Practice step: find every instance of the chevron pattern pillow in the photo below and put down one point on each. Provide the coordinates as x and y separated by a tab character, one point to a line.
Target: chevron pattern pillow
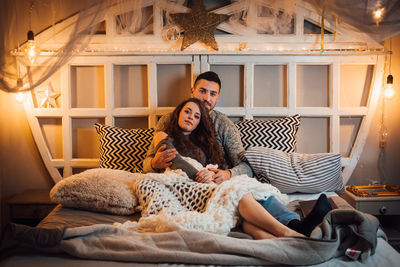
123	149
277	134
295	172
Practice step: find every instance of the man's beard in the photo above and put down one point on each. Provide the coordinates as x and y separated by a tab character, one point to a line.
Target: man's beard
208	106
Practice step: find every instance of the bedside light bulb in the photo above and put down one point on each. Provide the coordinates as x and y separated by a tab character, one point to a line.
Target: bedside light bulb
389	91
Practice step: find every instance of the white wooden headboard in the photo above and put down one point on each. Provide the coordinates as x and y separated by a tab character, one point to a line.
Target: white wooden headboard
119	83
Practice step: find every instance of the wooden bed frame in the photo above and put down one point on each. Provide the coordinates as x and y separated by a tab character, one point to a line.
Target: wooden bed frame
124	81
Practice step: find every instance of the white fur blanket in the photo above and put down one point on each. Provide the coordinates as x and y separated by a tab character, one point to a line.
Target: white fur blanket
221	210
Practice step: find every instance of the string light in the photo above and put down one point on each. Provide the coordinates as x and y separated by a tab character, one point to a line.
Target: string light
378	13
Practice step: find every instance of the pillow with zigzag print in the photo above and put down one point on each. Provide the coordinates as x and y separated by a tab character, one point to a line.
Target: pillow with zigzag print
123	149
278	134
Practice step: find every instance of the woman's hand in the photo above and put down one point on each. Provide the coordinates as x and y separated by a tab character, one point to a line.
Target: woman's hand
205	176
220	176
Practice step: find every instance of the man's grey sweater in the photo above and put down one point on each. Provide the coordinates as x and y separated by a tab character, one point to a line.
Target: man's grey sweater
227	136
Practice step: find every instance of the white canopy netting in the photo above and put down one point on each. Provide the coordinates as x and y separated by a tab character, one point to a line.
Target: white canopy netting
135	18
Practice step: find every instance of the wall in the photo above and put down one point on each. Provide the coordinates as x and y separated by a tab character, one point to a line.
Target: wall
367	169
21	167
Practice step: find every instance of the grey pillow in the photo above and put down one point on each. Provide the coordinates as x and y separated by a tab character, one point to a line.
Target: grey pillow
295	172
103	190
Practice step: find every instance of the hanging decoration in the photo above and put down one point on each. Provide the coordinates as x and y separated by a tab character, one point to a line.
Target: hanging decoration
31	50
48	97
388	93
378	13
199	25
171	33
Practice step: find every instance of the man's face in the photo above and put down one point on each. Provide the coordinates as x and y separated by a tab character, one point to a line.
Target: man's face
206	91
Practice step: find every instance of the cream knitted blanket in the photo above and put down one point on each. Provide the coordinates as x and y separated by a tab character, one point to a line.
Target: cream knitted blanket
221	211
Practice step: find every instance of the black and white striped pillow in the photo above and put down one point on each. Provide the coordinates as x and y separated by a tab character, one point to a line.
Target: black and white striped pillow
295	172
123	149
278	134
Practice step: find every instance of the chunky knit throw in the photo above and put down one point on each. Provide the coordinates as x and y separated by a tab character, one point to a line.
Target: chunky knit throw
219	215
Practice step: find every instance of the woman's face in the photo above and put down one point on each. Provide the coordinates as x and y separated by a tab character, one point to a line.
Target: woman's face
189	117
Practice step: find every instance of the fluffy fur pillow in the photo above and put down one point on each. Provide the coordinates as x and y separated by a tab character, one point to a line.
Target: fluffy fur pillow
102	190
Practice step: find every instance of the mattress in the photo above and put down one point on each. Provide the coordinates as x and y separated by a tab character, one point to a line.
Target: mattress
69	217
62	217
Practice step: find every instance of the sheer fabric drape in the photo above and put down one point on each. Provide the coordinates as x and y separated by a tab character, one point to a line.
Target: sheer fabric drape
15	72
136	18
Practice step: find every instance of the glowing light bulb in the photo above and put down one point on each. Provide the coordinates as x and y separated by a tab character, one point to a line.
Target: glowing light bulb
378	13
389	91
32	50
20	97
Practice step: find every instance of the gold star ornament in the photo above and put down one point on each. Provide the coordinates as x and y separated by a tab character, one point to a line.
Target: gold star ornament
199	25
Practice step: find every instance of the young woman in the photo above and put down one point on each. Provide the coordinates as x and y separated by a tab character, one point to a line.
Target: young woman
191	133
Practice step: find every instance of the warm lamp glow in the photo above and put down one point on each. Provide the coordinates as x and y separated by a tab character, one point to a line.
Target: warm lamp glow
32	50
389	91
20	97
378	13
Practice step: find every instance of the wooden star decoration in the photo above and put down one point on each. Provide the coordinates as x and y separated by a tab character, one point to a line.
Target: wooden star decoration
199	25
48	97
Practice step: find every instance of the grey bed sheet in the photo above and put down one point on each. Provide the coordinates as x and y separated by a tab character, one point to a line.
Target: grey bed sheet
70	217
62	217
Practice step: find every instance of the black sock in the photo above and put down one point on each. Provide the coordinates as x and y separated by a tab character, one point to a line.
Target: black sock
305	227
295	225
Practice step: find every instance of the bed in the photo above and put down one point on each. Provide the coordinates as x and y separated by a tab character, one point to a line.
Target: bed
164	252
97	221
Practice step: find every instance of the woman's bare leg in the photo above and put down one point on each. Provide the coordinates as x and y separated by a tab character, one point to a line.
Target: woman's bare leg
256	232
255	214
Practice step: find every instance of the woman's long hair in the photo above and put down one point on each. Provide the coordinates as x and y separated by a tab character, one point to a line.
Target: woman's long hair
203	137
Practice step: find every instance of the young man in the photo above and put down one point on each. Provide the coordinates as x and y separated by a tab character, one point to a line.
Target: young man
207	89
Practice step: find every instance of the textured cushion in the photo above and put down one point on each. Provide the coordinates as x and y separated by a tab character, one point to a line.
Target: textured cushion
278	134
103	190
295	172
123	149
